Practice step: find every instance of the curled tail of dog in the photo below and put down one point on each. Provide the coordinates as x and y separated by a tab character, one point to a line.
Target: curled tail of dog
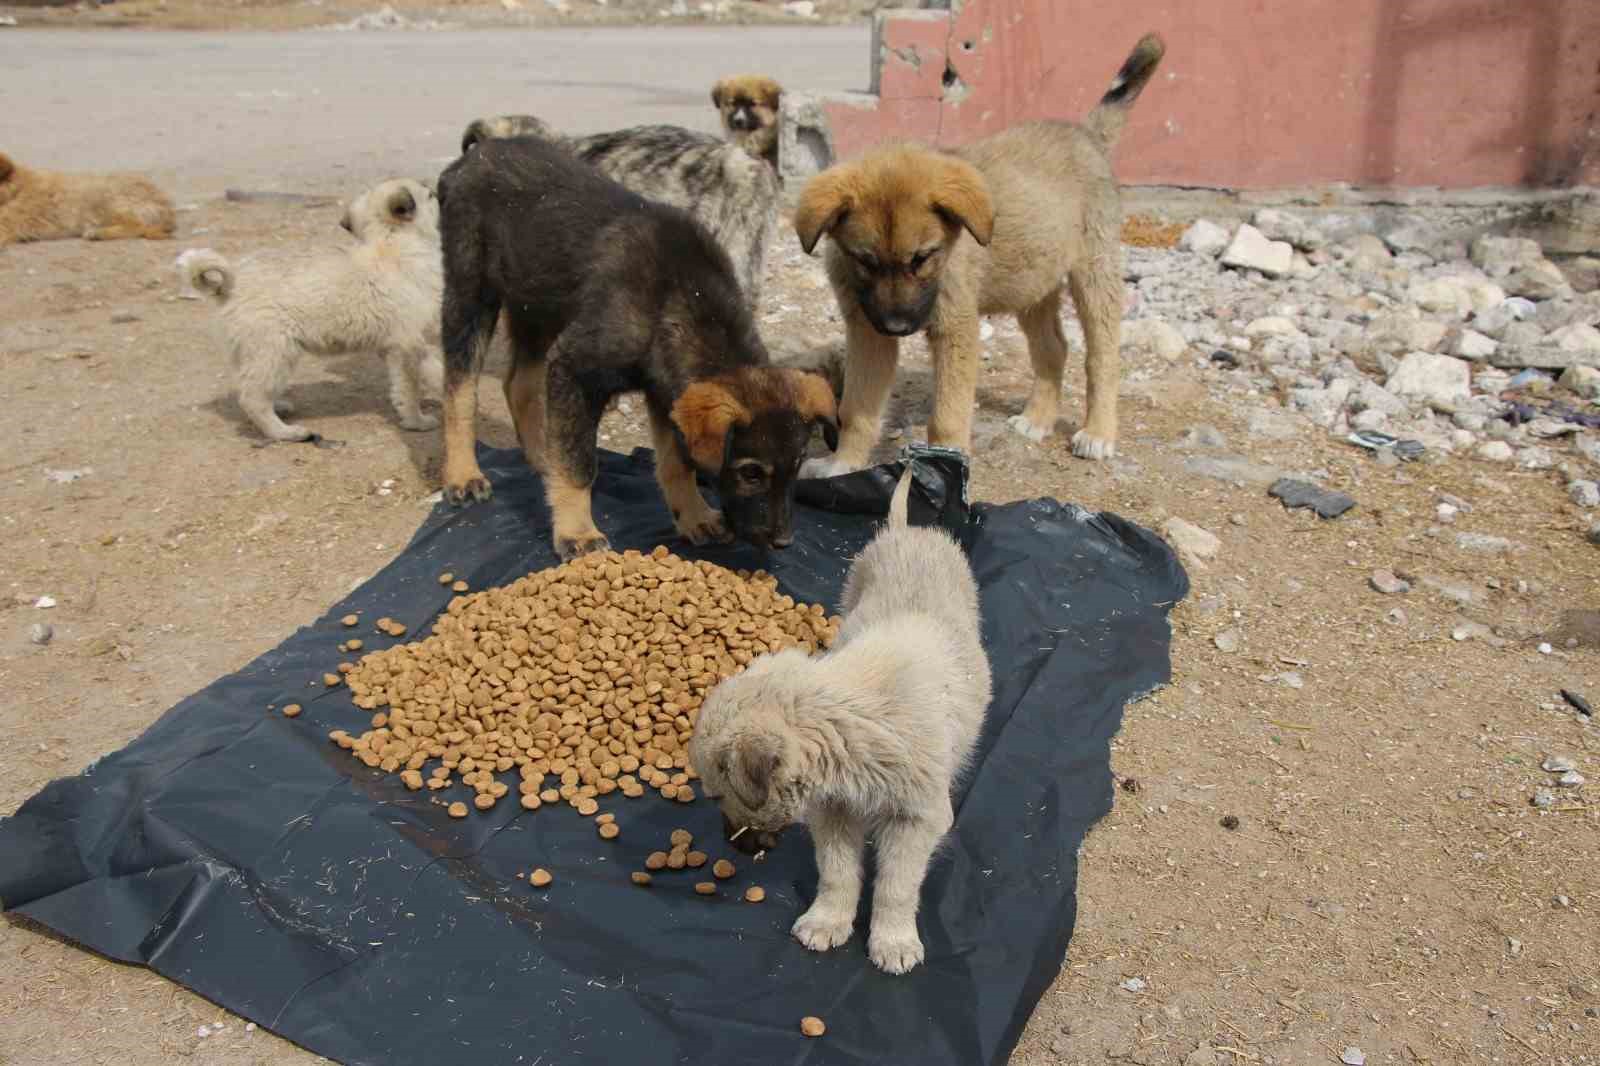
899	503
206	271
1105	121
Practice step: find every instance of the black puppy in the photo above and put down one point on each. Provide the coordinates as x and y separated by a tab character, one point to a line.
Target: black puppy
605	292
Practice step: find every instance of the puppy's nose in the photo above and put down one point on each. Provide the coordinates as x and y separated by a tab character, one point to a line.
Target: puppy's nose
896	325
741	120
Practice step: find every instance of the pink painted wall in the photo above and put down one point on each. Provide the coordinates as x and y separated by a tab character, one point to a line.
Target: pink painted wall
1264	93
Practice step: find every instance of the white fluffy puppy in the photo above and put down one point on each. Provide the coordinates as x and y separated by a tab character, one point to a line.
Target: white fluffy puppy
868	737
380	295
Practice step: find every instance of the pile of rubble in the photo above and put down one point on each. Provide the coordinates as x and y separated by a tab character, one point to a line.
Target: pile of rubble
1486	349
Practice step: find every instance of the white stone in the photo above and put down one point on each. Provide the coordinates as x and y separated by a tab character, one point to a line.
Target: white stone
1499	256
1370	396
1583	273
1440	295
1578	337
1192	543
800	8
1250	250
1471	345
1495	451
1204	237
1584	493
1541	280
1583	380
1435	379
1154	335
1278	225
1272	326
1405	333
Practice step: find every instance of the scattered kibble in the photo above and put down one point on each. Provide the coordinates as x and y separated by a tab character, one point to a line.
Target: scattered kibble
681	837
458	810
706	888
483	801
350	620
540	877
446	577
460	586
331	680
656	860
641	878
755	894
695	859
609	830
812	1026
722	869
291	710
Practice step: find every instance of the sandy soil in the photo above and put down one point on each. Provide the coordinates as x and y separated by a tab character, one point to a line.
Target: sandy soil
1388	885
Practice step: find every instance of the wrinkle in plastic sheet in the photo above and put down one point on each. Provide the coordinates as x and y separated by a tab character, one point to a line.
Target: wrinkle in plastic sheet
329	904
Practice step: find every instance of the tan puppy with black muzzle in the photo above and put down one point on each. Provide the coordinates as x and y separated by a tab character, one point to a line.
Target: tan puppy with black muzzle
748	106
870	737
929	240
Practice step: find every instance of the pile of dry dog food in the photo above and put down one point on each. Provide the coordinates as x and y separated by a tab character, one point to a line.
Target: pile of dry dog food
586	678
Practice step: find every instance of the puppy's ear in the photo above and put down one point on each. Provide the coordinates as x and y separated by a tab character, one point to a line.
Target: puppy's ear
814	401
344	222
7	167
402	205
716	94
705	414
472	136
962	197
754	770
824	203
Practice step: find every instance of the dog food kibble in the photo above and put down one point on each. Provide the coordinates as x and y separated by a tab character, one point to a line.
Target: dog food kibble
722	869
460	586
353	644
681	838
586	678
331	679
755	894
695	859
609	830
291	710
706	888
458	810
350	620
531	802
540	878
446	577
812	1026
656	860
641	878
483	801
602	819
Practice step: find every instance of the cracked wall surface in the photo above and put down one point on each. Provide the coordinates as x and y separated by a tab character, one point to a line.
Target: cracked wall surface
1448	93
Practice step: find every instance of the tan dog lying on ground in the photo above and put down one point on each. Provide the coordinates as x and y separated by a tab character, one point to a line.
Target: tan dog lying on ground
931	240
748	104
42	205
381	295
870	737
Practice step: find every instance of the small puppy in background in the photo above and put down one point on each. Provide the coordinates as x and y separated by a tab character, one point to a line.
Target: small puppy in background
604	292
871	736
43	205
748	105
923	239
380	295
732	193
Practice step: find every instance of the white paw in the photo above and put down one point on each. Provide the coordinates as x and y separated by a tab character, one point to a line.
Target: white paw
1021	425
895	952
419	422
820	468
1086	447
820	931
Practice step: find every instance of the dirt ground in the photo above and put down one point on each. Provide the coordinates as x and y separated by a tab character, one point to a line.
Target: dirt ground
1388	886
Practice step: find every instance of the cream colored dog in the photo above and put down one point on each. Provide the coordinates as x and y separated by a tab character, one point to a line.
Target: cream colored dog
43	205
869	737
381	295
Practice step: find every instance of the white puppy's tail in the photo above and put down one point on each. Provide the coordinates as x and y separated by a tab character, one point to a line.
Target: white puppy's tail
898	503
202	270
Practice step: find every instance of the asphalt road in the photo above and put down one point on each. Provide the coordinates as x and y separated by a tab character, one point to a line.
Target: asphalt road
329	111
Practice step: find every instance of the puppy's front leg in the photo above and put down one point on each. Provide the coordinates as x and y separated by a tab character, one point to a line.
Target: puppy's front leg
832	915
955	347
869	365
572	419
696	521
904	848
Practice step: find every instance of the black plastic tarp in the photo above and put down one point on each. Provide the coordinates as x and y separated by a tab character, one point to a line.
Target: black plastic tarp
242	855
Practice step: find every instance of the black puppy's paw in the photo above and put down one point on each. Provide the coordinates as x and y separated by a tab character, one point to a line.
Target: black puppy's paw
472	490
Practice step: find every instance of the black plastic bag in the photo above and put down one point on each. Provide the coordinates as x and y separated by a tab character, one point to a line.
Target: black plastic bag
244	856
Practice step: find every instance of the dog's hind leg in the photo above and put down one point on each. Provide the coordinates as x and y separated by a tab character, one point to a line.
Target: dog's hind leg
572	419
263	375
404	389
904	849
468	323
696	521
526	389
1097	293
955	348
869	365
831	917
1047	349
